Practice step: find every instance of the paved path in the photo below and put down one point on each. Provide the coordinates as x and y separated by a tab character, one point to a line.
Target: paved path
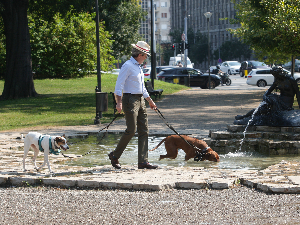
192	112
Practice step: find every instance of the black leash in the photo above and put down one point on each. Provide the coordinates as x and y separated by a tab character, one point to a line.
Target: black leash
116	116
199	152
78	156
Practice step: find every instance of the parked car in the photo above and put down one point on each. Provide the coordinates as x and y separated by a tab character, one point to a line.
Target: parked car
250	65
147	72
115	71
213	70
289	65
263	78
230	67
160	68
189	76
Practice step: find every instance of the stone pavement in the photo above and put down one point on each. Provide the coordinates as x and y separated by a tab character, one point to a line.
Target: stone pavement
193	112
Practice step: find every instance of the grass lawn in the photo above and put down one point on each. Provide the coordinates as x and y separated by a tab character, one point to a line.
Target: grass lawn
64	102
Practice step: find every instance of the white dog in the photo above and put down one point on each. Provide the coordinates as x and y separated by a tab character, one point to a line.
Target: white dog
44	143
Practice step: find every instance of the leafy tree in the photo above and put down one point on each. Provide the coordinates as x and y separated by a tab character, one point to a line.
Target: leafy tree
122	18
198	48
166	53
123	23
198	51
66	45
270	27
233	49
18	74
176	36
2	50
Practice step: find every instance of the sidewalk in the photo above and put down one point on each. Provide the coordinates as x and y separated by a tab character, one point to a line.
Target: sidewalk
193	112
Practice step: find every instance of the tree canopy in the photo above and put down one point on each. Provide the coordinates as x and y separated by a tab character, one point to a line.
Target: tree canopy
56	33
270	27
121	18
65	48
233	49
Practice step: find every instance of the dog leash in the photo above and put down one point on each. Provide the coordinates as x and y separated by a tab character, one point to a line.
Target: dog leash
199	152
116	116
78	156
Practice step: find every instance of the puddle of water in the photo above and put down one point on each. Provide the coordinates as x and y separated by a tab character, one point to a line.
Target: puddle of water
101	148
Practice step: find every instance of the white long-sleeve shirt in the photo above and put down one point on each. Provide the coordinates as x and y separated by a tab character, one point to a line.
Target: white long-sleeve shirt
131	79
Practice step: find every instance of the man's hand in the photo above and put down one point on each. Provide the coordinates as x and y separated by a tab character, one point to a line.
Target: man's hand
119	103
119	107
151	103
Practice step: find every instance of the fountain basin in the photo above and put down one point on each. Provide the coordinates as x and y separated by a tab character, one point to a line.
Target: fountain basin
262	139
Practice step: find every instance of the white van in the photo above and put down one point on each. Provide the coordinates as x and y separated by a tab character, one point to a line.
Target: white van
180	58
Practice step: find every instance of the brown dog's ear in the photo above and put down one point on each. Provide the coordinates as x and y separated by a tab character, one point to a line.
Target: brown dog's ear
64	136
211	155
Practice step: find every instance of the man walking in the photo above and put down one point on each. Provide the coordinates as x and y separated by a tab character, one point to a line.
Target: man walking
130	84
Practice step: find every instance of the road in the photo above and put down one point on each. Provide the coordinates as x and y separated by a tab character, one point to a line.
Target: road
239	83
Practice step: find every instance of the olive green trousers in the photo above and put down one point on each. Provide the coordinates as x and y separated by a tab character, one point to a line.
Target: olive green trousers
136	120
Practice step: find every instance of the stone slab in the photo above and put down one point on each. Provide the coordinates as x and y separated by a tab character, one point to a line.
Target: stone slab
294	179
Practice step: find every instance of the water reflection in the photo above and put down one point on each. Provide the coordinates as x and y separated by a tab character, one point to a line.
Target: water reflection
101	147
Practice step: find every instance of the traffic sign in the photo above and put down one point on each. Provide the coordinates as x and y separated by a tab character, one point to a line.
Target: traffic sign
183	37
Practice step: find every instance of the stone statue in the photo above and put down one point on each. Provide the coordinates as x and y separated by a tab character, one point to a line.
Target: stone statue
276	110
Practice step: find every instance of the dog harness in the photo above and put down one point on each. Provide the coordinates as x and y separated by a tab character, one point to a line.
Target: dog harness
199	155
51	150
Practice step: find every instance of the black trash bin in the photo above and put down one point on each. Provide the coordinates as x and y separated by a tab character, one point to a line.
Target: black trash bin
101	101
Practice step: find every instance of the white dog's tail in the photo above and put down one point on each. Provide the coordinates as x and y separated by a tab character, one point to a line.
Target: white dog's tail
21	137
158	144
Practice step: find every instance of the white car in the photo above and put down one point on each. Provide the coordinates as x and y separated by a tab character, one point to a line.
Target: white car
230	67
115	71
263	78
147	72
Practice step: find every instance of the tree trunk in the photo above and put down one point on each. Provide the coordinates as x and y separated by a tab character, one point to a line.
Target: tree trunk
18	75
293	65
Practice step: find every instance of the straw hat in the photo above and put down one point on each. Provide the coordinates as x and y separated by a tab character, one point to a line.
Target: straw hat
142	46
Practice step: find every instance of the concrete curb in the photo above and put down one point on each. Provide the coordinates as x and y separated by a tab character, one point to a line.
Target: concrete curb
164	178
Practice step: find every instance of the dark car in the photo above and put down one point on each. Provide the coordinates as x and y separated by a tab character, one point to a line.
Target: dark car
189	77
288	65
160	68
249	65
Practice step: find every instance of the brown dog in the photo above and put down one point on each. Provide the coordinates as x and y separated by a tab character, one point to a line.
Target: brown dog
174	142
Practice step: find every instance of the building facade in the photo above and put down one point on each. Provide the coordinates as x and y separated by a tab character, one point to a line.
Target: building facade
170	14
162	21
162	25
194	11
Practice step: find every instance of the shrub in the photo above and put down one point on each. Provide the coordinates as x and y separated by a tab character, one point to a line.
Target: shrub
66	48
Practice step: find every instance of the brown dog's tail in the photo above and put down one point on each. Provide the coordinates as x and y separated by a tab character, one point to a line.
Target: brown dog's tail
158	144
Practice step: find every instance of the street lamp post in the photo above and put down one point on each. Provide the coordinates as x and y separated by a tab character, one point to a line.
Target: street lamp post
153	45
208	15
101	97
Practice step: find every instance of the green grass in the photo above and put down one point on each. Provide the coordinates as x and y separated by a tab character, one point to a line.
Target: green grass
62	102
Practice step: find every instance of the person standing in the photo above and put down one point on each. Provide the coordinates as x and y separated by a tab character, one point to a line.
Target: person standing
130	85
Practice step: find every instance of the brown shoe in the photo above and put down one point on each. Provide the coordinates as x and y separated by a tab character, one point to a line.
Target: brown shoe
114	161
146	165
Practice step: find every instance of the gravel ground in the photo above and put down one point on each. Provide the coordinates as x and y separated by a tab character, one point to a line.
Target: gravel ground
239	205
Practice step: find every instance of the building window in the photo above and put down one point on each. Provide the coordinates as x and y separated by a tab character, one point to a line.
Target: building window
163	4
164	38
164	15
164	26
